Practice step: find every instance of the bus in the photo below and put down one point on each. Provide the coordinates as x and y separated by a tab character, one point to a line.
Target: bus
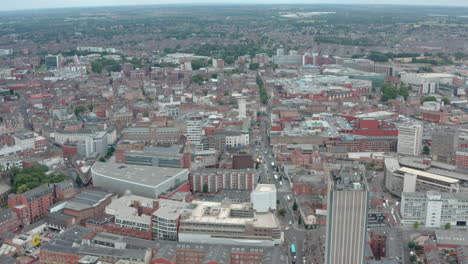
293	251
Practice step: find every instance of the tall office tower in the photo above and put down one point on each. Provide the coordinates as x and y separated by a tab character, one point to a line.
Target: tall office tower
348	201
241	101
194	131
444	144
410	139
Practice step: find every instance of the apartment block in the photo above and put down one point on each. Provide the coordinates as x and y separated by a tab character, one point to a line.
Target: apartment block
213	180
32	205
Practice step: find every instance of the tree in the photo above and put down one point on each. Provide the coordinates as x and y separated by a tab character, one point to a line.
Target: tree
413	258
404	91
411	245
426	150
294	206
33	176
278	201
198	79
299	221
254	66
78	181
79	109
416	225
214	76
205	188
447	226
429	99
229	60
199	63
391	92
282	212
446	101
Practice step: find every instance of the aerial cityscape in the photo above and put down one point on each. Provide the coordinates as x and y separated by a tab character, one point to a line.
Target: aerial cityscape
213	133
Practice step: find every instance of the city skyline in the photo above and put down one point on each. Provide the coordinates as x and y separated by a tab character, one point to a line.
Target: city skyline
47	4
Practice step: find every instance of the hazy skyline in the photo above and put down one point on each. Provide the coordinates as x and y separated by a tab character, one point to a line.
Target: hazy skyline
36	4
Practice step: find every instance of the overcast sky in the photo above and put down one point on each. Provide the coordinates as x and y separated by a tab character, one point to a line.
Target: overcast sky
33	4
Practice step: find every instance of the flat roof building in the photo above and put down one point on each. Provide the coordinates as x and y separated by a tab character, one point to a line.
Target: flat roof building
146	181
229	224
264	198
435	209
419	177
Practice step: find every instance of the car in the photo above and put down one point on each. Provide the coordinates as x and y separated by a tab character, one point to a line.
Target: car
290	222
303	254
287	228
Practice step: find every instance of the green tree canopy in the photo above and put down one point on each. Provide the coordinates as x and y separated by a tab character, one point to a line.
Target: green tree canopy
33	176
254	66
199	63
426	150
79	109
198	79
429	99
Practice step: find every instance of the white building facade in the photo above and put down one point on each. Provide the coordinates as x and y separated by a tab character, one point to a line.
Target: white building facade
435	209
410	139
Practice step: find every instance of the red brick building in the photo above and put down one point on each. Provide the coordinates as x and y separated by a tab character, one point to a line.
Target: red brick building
434	116
63	191
8	221
32	205
89	203
69	150
242	161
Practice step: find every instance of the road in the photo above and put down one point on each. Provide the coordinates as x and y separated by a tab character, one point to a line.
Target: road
308	242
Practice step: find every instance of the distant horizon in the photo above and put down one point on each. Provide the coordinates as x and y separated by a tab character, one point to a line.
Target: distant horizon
55	4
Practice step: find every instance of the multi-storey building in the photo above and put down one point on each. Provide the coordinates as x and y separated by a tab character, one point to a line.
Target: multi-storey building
32	205
410	139
213	180
217	223
132	216
63	190
444	144
399	179
89	203
264	198
165	222
96	144
435	209
83	245
233	139
173	157
8	221
194	131
53	61
348	197
461	154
